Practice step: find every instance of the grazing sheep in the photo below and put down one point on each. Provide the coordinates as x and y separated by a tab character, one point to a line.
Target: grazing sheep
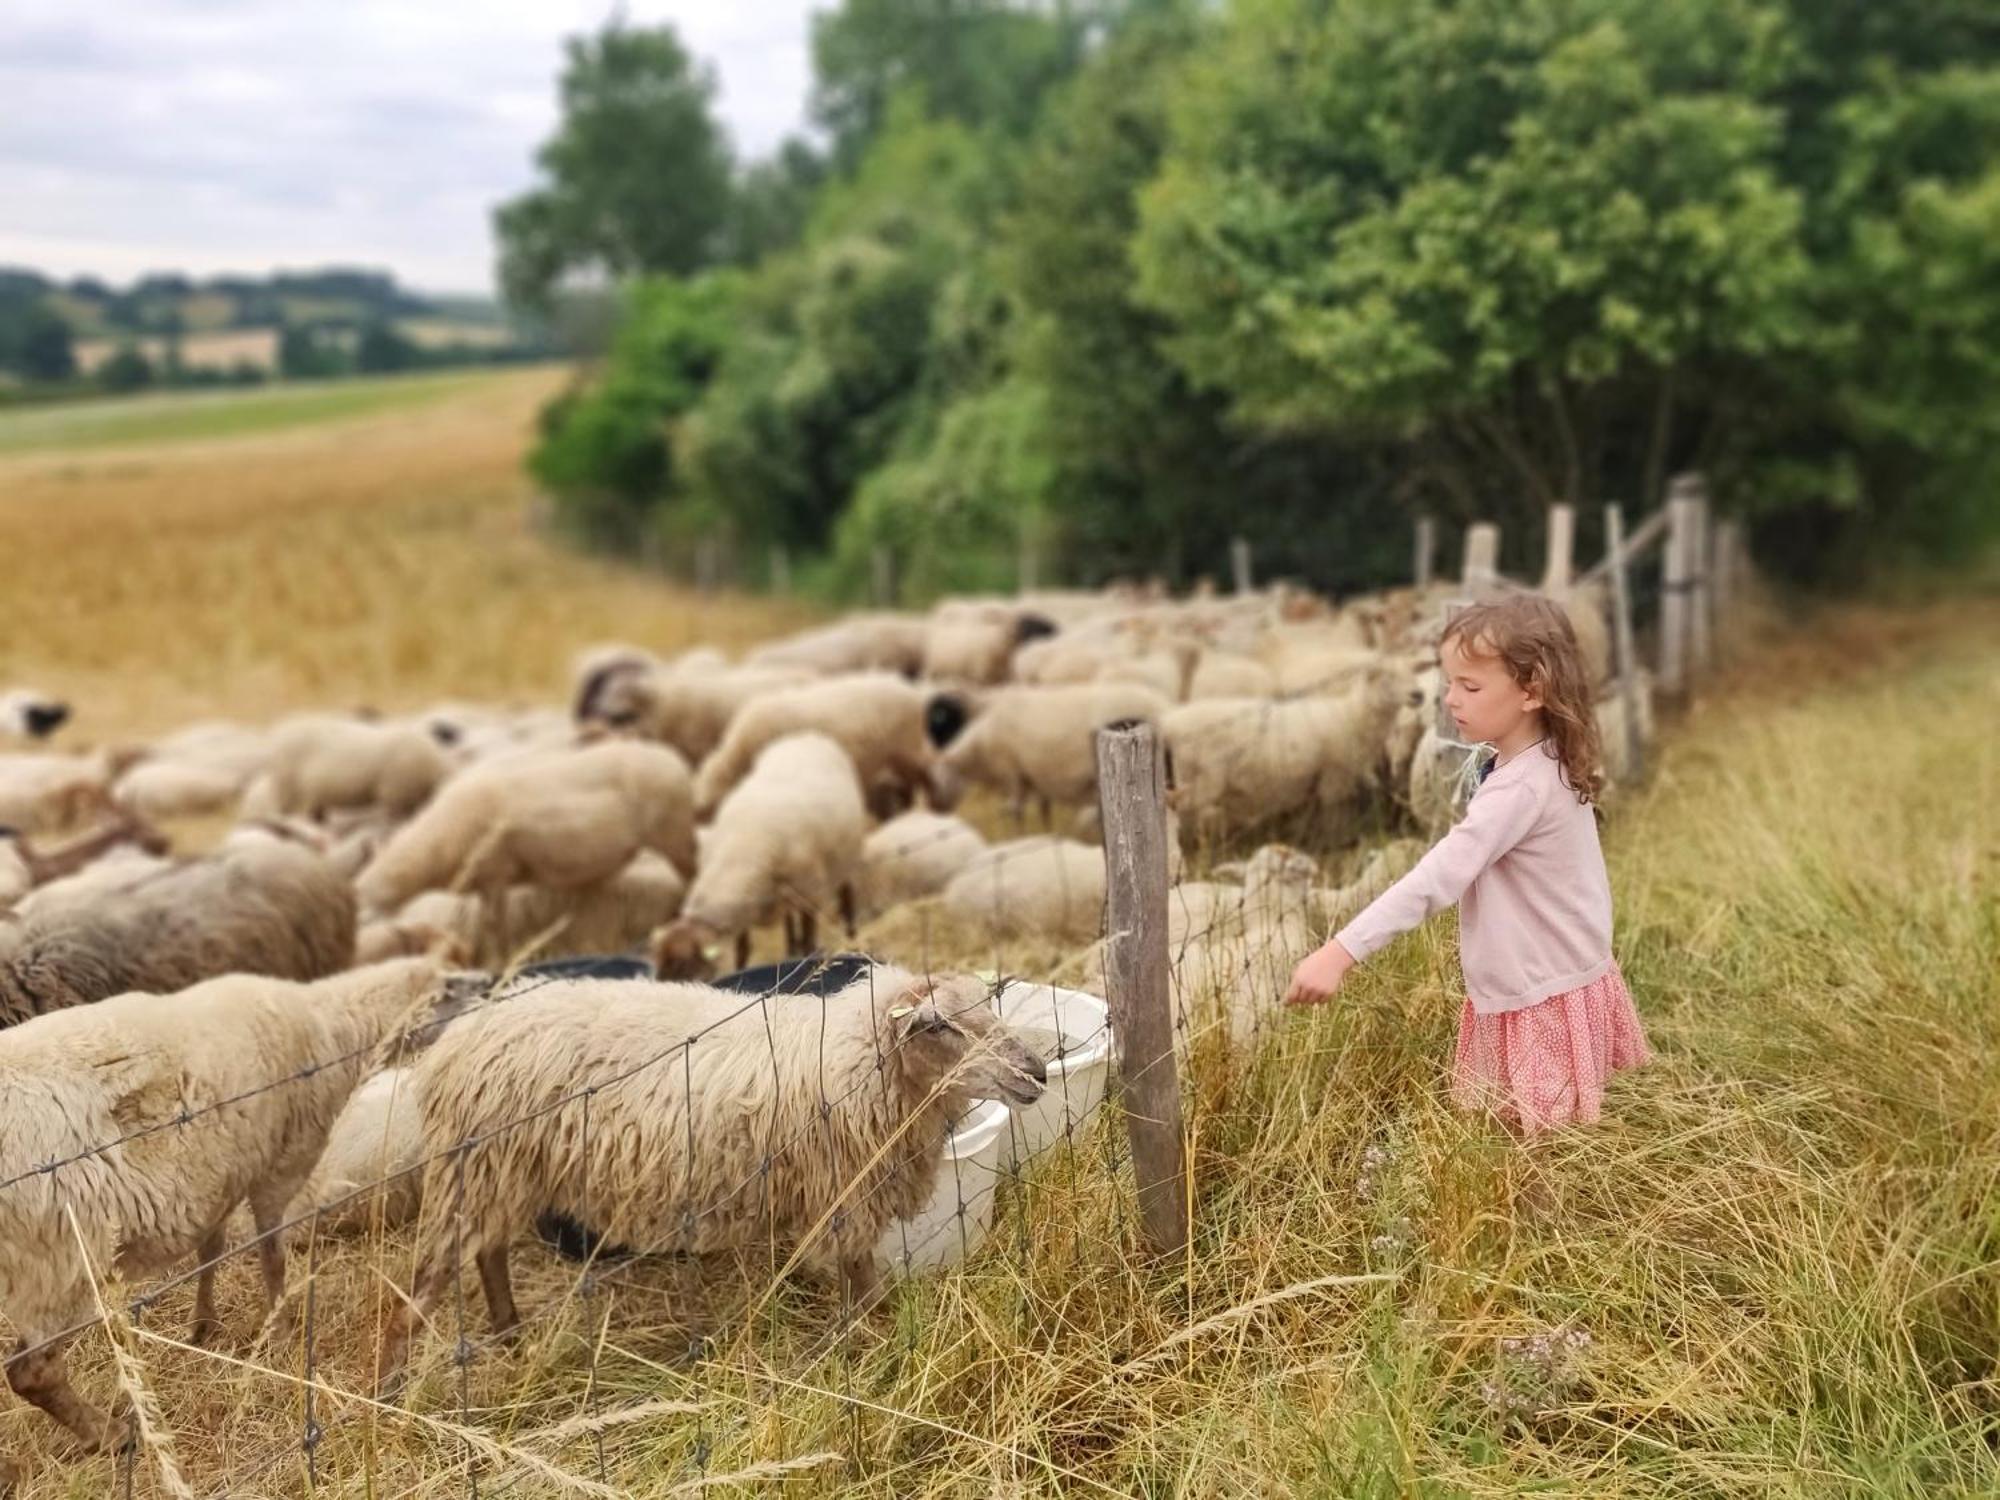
264	906
1241	761
786	839
973	641
375	1142
561	819
322	764
1044	887
883	641
911	857
608	916
686	709
195	771
1042	741
1230	963
1382	868
26	867
46	793
28	715
125	1070
1229	674
890	729
902	1054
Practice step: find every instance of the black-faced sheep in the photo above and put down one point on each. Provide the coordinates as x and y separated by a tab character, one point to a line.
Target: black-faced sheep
687	709
181	1080
29	715
901	1053
973	641
263	906
787	839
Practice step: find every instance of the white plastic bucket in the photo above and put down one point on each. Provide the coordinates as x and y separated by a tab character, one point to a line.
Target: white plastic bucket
951	1226
1077	1073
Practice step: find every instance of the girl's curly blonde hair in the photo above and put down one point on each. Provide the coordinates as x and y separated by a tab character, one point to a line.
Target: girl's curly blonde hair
1532	636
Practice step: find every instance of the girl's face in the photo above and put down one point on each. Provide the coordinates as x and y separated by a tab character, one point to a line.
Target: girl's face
1482	697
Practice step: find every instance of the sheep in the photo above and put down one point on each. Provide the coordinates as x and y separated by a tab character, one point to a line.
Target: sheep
1046	887
888	727
561	819
1230	955
1229	674
323	763
42	792
26	867
26	714
911	857
1240	761
883	641
375	1142
973	641
1382	868
1317	658
688	710
787	838
1041	741
198	770
608	916
265	906
200	1061
902	1054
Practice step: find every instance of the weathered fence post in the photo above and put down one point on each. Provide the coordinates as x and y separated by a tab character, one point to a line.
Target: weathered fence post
1482	558
1426	549
882	577
1702	612
1624	660
1239	563
1132	792
1560	567
1676	583
781	570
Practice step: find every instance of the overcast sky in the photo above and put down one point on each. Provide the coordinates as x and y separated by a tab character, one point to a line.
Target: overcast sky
244	135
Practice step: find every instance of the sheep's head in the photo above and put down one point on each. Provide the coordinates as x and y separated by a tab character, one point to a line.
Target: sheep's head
31	716
945	715
617	695
687	948
946	1030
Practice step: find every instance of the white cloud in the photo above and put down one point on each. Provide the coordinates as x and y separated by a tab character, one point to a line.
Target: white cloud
240	135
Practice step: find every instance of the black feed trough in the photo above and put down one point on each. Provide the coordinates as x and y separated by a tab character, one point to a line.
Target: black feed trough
815	974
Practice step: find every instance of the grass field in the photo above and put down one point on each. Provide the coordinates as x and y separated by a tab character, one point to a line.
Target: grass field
1781	1250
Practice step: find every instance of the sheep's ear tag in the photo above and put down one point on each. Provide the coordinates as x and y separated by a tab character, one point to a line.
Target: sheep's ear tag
898	1012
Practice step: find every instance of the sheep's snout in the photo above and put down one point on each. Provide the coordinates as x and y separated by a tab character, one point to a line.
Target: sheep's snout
1013	1070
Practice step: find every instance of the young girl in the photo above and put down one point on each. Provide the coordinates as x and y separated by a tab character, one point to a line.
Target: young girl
1547	1018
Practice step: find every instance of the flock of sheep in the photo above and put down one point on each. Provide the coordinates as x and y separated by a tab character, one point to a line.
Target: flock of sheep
184	1036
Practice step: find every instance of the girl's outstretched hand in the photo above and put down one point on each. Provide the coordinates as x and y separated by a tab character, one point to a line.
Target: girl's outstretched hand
1319	974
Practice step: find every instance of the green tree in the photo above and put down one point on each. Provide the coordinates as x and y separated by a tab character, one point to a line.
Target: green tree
772	203
306	352
127	369
637	175
383	349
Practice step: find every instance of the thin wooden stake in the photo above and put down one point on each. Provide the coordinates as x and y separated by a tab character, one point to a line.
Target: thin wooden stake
1624	660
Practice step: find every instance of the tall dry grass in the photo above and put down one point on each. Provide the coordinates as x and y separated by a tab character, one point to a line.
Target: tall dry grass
385	559
1773	1270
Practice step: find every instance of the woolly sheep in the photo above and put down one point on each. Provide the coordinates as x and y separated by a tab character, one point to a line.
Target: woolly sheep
198	770
974	641
889	728
688	710
1240	761
1230	968
1041	741
26	714
911	857
128	1068
25	867
786	839
42	792
370	1172
902	1054
1228	674
560	819
323	763
266	906
608	916
884	641
1051	888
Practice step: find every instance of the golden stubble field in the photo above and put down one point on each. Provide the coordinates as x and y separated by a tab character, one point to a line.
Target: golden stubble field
385	559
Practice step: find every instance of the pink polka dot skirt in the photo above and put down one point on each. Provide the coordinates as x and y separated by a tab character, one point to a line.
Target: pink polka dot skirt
1547	1065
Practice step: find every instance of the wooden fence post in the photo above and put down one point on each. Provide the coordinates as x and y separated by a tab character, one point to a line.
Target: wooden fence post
1482	558
1702	613
1624	660
1239	563
781	570
1677	565
882	577
1559	569
1131	778
1426	549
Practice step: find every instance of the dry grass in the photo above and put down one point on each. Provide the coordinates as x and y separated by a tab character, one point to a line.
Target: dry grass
1781	1244
385	559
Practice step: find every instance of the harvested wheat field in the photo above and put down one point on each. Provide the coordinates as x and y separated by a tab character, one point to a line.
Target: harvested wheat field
368	543
1772	1270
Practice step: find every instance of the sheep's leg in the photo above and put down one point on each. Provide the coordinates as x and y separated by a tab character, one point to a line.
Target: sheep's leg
743	949
1048	814
10	1476
791	936
269	1215
499	1289
40	1377
862	1279
808	931
847	909
434	1278
204	1328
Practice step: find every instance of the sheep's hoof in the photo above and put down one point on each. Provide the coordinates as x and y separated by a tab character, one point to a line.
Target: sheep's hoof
11	1475
203	1334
